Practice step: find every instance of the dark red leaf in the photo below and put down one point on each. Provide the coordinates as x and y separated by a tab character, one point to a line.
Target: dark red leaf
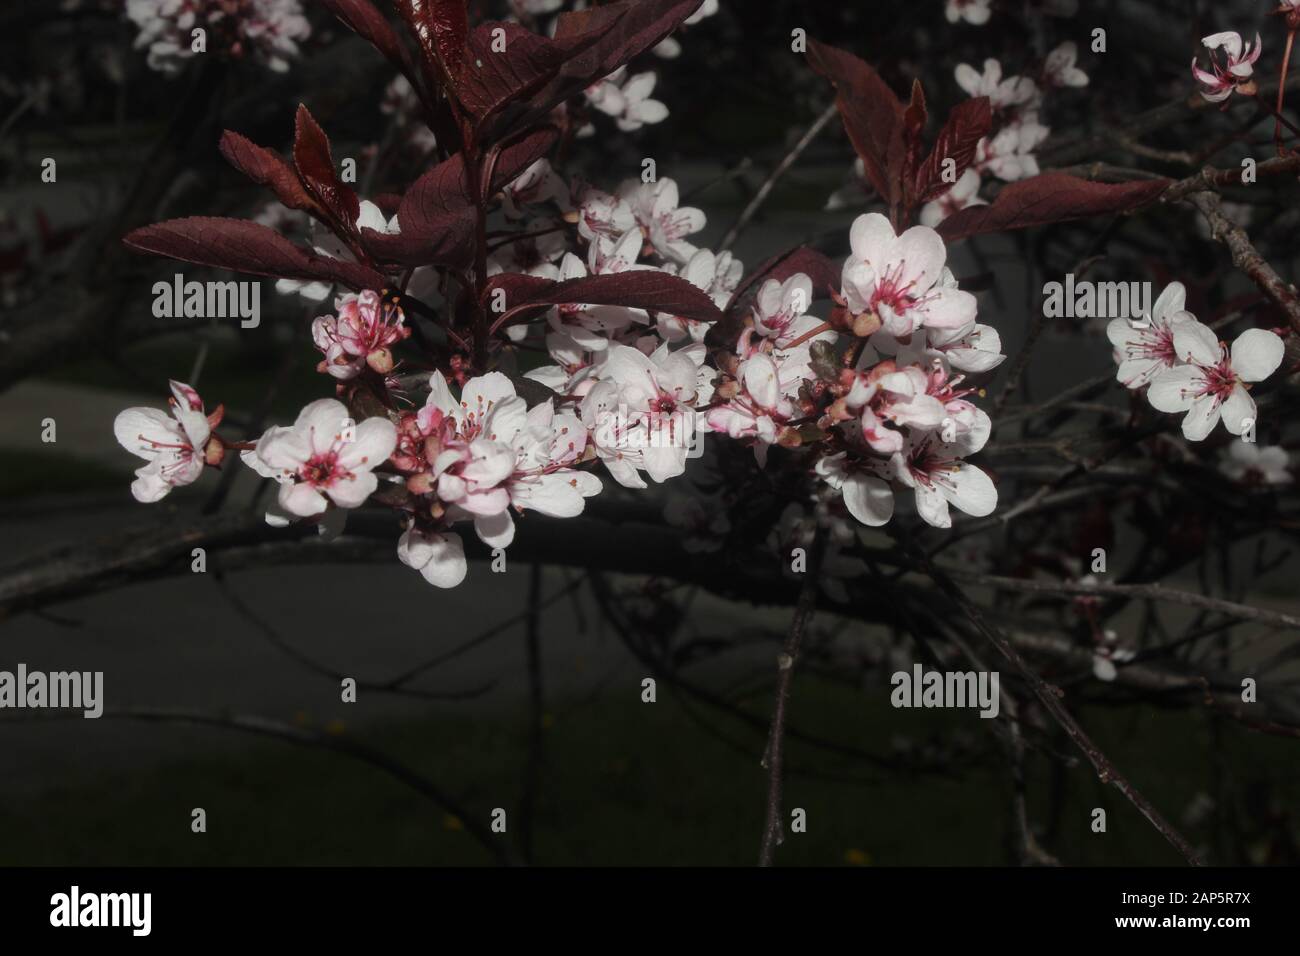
1049	198
447	240
872	115
249	247
825	275
315	165
967	124
521	153
512	66
598	41
363	19
441	27
625	29
266	168
518	288
441	192
503	67
441	196
637	289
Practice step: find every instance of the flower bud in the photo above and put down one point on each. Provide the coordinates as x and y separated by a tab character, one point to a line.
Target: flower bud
866	323
214	452
420	484
380	361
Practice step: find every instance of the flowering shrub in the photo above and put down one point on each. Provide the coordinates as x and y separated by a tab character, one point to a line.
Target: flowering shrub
505	338
654	341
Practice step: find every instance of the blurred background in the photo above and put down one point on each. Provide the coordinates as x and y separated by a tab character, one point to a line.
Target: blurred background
523	690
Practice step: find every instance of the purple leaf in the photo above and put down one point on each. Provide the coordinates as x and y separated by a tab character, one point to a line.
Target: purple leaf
315	165
447	240
872	115
243	246
636	289
363	19
967	124
265	167
1049	198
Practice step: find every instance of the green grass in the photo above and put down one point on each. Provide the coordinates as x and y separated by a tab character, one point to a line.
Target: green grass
626	783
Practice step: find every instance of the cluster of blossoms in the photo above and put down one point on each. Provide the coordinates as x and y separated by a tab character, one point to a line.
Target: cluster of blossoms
268	31
1186	369
1007	153
634	390
1232	71
902	410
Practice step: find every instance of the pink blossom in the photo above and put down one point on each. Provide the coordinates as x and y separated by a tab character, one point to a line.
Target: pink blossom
1059	69
1231	72
934	470
1212	383
1009	154
887	395
641	411
898	278
1144	350
536	184
1002	93
1250	464
867	496
362	333
762	405
438	556
974	12
324	457
665	226
627	99
963	194
173	445
601	214
490	452
779	305
972	348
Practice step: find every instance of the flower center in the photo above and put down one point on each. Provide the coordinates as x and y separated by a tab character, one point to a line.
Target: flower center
891	291
322	470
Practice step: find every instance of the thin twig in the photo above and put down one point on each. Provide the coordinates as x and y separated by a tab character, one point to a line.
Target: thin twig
1149	592
1050	697
1246	257
781	168
775	754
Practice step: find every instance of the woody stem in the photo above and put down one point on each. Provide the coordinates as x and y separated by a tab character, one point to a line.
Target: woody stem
1281	93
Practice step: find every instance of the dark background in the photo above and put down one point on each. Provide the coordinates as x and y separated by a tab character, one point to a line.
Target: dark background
546	720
